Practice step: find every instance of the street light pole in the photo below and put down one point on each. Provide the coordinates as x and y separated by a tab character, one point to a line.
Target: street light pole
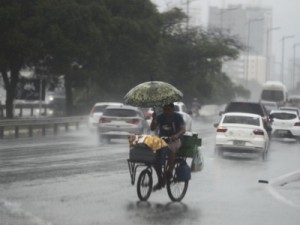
282	56
294	62
268	51
248	45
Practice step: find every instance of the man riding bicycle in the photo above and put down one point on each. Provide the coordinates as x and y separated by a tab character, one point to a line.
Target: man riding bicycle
169	124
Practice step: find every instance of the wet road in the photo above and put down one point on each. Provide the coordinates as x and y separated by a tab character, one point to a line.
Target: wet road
70	179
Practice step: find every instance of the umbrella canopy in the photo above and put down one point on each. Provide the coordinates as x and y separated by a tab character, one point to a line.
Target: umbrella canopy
152	94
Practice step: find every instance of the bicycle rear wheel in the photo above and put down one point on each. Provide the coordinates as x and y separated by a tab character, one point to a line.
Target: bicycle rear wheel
176	189
144	185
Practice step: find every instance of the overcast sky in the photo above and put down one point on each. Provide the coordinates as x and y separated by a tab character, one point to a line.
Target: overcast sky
286	15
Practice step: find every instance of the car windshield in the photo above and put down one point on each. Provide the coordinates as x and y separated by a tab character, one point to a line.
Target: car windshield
120	112
245	107
242	120
284	116
100	108
271	95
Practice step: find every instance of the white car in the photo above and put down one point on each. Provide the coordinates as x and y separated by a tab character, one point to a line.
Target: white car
241	133
180	108
120	122
97	111
286	124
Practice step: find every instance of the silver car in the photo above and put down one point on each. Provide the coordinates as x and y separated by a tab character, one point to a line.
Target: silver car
121	121
97	111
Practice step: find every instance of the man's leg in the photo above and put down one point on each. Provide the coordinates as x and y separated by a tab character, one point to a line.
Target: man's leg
158	169
171	161
173	146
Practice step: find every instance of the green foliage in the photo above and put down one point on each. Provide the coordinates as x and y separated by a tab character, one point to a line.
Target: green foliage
105	47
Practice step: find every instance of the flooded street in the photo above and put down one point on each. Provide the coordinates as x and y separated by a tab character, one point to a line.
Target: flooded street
71	179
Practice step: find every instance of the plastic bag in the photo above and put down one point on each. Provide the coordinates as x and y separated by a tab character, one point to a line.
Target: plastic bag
197	162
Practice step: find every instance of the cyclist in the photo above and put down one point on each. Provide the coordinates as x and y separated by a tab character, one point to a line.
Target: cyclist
169	124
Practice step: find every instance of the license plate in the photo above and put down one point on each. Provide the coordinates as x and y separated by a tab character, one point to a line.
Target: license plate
239	143
282	132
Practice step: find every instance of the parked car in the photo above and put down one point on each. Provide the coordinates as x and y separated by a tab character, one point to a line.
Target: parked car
97	111
179	107
269	105
286	124
241	132
250	107
122	121
294	109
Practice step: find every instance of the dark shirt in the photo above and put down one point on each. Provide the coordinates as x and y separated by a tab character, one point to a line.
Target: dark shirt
169	126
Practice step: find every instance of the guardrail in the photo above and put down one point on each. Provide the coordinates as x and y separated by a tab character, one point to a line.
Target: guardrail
33	109
28	126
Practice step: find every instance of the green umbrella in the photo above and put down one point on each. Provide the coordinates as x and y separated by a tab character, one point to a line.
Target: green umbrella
152	94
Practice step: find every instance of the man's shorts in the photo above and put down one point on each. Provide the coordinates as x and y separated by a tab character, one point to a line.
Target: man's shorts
174	145
161	155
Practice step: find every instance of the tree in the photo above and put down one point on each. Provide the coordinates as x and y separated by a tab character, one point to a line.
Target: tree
18	44
133	44
193	61
74	34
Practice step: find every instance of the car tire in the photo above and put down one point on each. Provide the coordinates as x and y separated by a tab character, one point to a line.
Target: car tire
218	152
264	155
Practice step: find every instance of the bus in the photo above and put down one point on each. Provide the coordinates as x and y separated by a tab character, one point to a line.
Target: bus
274	91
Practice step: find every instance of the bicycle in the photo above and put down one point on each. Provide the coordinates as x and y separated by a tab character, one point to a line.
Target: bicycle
177	185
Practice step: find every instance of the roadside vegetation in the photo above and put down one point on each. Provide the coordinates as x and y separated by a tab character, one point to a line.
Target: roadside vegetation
105	47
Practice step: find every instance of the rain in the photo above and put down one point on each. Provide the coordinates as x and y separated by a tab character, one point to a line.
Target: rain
62	162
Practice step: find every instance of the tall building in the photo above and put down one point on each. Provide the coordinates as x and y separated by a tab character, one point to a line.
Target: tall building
249	25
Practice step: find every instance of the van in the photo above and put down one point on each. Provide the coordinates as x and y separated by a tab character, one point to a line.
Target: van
274	91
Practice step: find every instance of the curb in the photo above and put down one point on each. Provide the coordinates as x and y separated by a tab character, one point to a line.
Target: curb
285	179
281	181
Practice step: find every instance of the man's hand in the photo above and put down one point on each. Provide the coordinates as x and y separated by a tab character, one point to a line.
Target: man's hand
153	116
153	124
174	137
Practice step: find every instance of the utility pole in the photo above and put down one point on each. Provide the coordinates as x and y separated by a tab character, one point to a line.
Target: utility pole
269	30
248	45
294	62
282	55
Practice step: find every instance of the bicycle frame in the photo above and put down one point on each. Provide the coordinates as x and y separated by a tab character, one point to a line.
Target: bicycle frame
133	168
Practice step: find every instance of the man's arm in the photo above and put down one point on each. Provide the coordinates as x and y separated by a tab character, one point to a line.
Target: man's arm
181	132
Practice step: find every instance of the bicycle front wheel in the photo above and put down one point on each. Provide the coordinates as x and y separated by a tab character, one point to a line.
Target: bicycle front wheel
177	189
144	185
